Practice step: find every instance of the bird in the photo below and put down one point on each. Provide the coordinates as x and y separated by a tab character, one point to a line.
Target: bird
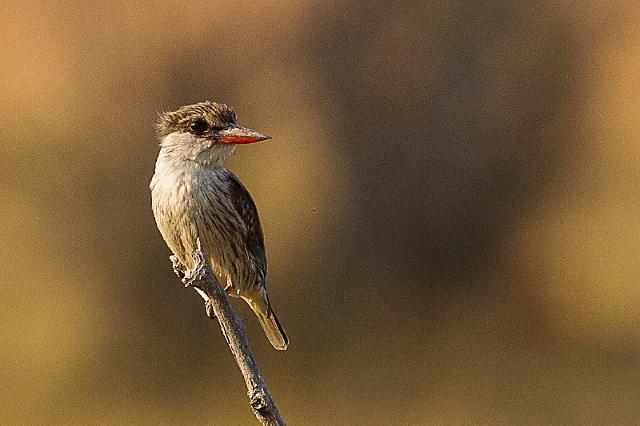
195	198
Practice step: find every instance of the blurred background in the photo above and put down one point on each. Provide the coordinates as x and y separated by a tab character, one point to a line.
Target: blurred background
450	205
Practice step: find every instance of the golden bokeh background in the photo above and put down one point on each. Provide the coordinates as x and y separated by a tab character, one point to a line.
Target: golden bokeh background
450	203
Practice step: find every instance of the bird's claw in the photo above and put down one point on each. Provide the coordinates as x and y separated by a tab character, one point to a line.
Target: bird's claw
231	290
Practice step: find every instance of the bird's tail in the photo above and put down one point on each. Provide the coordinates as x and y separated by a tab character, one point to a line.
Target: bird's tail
268	320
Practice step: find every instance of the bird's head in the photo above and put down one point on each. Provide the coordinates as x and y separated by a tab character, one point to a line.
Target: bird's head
205	132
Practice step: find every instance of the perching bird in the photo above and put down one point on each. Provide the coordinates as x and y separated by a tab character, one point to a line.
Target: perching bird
195	196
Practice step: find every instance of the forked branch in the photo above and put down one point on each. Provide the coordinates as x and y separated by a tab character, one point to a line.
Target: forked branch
202	278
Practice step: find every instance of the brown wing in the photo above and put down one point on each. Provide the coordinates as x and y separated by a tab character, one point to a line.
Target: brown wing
246	209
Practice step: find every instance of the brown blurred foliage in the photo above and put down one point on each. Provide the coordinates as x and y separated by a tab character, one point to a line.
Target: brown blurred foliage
450	203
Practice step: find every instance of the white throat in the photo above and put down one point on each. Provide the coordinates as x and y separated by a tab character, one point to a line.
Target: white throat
181	146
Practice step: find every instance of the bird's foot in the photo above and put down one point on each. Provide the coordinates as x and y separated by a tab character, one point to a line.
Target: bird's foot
231	290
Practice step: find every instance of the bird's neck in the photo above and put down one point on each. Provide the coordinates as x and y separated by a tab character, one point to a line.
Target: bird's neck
167	163
174	175
179	148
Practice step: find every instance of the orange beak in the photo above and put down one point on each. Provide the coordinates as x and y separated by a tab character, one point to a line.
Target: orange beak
239	135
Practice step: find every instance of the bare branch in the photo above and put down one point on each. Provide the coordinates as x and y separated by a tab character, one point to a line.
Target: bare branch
202	278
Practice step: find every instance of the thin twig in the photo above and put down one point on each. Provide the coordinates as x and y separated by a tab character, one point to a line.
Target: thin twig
202	278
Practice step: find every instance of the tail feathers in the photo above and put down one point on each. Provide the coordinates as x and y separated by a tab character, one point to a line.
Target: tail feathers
269	322
274	331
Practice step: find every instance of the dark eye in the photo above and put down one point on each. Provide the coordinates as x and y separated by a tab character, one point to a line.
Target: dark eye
198	126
